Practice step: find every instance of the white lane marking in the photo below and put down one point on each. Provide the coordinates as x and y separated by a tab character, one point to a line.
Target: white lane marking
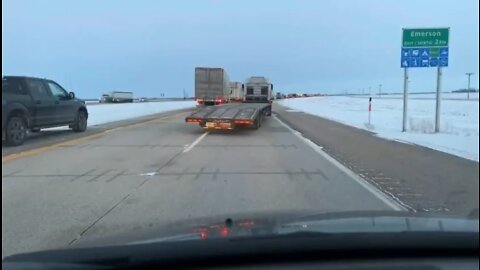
190	147
372	189
148	174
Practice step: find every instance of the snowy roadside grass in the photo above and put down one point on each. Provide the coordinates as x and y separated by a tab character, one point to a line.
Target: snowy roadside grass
106	113
458	122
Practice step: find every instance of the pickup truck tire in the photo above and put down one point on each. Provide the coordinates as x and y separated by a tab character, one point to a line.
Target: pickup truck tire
80	124
16	131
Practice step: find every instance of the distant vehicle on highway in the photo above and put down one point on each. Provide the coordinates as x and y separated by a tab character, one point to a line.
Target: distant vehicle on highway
258	90
117	97
237	93
143	99
279	95
211	86
32	104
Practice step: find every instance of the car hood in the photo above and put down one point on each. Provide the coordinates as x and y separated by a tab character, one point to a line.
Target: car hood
288	222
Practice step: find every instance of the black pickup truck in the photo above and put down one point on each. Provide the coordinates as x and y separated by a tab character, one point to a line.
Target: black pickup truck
30	104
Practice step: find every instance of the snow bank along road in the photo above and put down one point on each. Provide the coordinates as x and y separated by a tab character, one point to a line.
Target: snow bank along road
138	175
105	113
459	119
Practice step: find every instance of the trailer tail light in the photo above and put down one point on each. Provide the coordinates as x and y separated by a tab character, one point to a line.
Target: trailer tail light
243	122
199	101
224	232
219	101
193	120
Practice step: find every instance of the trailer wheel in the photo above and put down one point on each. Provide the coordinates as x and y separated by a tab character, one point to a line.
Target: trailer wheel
258	122
269	111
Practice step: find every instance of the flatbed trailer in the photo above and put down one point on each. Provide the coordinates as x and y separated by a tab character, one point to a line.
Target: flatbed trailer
231	116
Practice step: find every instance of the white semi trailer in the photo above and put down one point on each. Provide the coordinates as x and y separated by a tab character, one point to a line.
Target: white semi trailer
117	97
237	93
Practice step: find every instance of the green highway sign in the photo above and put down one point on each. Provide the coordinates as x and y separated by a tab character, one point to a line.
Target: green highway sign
424	47
425	37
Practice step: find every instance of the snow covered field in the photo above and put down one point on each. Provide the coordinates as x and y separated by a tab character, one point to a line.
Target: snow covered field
446	96
458	128
105	113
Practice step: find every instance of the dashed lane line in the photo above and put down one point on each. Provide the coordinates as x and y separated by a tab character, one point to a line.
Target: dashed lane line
52	147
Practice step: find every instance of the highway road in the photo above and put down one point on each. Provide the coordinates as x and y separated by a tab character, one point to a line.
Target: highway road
140	173
165	170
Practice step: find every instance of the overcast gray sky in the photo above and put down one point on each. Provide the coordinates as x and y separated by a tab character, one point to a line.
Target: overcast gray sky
151	47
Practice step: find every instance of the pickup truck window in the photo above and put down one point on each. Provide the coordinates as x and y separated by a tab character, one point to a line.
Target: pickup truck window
57	91
37	89
13	86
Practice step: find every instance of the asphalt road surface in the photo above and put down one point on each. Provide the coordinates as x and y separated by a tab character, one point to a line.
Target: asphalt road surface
420	178
64	190
165	170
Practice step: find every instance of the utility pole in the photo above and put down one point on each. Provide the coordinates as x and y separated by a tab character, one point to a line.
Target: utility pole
380	90
468	89
369	90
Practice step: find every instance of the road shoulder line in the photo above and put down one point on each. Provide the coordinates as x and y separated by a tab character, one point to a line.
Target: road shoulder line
362	182
197	141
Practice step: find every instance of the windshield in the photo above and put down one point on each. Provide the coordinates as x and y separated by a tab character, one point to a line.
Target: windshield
342	113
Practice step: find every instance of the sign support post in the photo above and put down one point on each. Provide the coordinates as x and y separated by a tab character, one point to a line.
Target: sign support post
405	99
437	104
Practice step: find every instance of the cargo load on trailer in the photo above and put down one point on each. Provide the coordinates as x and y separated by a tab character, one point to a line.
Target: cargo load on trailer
255	95
211	86
237	93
